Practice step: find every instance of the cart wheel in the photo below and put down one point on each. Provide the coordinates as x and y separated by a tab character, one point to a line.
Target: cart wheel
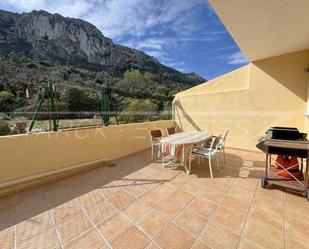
263	182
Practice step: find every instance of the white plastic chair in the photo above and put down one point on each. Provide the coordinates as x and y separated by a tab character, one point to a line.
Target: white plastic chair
221	145
155	137
170	131
209	153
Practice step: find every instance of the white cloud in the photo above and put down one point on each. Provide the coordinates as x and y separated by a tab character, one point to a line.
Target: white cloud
237	59
72	8
116	18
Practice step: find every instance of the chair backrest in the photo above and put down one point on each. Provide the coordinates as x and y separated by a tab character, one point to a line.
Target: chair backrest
155	134
225	135
170	130
224	138
213	143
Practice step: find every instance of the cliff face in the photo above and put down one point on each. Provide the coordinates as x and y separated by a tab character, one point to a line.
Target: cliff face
42	35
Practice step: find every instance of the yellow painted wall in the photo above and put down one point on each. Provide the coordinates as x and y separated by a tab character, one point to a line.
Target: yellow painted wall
27	155
247	101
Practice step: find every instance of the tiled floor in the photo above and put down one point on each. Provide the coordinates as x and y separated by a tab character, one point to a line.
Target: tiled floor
139	204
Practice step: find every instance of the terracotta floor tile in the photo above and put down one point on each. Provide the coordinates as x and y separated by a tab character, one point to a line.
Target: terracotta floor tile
137	187
73	227
32	227
266	216
299	213
101	212
6	238
224	181
90	239
136	210
231	220
204	208
7	201
166	189
235	203
113	225
217	236
7	215
152	199
294	200
271	194
168	207
191	222
91	199
131	238
295	243
203	181
122	182
263	235
243	244
200	245
245	196
109	189
173	237
137	191
212	195
121	199
296	231
192	188
248	185
266	203
65	212
47	239
152	223
29	205
152	245
218	186
182	197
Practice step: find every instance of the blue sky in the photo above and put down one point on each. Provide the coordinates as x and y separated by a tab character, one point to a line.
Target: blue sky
184	34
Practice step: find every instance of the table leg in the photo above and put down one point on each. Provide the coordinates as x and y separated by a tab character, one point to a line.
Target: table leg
266	165
306	173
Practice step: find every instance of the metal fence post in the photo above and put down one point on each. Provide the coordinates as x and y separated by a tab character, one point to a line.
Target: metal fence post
105	106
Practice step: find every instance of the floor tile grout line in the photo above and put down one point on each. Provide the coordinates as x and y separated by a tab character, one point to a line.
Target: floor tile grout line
135	223
52	221
120	211
92	223
210	218
247	215
140	218
171	220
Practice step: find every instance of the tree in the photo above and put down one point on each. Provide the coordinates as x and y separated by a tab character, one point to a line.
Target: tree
162	90
4	124
135	81
7	101
79	99
139	110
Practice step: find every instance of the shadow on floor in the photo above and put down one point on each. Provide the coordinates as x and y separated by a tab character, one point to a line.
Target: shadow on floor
134	170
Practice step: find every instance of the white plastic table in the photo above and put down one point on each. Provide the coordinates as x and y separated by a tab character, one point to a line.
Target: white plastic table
178	143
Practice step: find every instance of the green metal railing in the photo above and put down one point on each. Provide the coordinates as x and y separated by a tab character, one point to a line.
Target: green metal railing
48	109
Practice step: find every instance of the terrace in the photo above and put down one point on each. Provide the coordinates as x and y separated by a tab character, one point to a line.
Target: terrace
135	203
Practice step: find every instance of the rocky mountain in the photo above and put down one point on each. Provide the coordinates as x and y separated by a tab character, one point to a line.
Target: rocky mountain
44	36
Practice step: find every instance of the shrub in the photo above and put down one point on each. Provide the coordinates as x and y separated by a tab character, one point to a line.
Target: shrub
4	124
7	100
139	110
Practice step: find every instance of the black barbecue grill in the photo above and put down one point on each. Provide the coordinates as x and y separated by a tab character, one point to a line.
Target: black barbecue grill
287	142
